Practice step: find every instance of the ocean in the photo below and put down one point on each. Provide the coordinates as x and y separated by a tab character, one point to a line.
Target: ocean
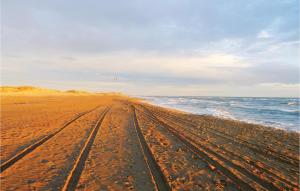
274	112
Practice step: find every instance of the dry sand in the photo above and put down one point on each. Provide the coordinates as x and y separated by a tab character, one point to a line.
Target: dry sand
68	140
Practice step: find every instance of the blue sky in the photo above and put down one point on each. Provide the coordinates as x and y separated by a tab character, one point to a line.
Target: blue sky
139	47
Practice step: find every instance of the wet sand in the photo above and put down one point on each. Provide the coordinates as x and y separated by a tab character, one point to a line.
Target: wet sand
98	142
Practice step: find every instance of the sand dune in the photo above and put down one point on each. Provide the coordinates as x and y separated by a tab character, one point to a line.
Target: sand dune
26	89
37	91
105	142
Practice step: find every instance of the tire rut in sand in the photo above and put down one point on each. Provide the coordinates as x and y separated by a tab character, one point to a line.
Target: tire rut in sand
254	147
75	173
226	172
206	152
38	143
159	178
116	160
284	183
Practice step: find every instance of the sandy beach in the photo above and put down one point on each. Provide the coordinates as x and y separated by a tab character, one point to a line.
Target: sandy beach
113	142
149	95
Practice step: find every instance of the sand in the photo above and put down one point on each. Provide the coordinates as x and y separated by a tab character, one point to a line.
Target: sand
87	148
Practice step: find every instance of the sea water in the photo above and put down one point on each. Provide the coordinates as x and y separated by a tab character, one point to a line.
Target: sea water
275	112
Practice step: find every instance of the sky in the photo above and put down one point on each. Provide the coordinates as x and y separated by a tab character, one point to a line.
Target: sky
142	47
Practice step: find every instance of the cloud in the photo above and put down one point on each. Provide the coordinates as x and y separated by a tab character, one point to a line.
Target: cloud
210	67
160	44
264	34
281	85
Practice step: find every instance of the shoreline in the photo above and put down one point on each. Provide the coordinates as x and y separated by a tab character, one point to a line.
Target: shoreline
187	150
228	114
143	100
225	119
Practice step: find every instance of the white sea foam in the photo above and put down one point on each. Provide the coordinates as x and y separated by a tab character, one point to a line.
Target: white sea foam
276	112
293	103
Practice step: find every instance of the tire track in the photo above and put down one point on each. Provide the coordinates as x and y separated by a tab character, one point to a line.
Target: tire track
283	158
159	178
261	182
225	136
286	183
73	178
38	143
265	154
202	153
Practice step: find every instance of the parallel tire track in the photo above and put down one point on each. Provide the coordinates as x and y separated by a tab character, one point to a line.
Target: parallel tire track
242	159
287	182
283	180
266	152
243	185
73	178
189	142
38	143
160	180
240	142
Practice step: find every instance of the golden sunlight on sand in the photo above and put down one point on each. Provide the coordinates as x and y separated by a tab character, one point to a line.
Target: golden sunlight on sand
77	140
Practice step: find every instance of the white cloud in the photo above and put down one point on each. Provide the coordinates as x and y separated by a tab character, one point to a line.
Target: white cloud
264	34
181	45
280	85
178	66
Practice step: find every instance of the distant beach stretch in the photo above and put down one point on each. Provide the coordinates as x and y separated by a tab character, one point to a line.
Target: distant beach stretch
73	140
